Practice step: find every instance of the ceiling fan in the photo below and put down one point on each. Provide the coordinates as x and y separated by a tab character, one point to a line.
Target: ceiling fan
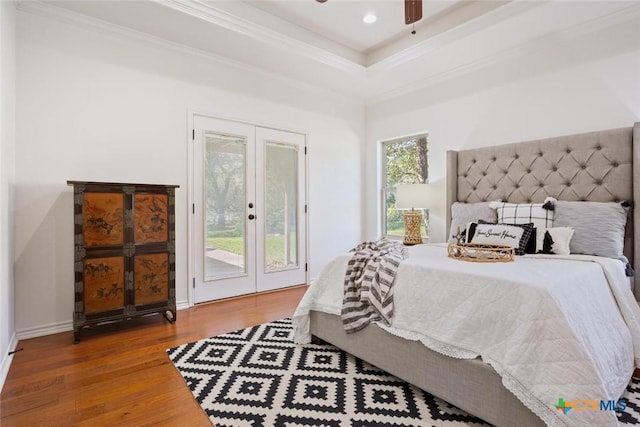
412	10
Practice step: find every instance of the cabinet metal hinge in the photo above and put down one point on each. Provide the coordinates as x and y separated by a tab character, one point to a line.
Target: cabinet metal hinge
193	134
305	208
306	266
305	150
193	208
194	283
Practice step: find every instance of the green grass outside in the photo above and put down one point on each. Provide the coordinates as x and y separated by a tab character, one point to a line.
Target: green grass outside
275	247
395	231
229	244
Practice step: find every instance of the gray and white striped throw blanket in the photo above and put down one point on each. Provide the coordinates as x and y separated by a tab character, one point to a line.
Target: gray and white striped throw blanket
368	283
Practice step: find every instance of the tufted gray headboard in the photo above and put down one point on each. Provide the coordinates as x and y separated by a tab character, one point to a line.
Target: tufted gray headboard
595	166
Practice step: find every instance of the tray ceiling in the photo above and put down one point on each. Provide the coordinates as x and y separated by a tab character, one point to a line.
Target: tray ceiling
327	45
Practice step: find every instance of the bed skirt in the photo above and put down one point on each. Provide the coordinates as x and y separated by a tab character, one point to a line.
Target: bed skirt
471	385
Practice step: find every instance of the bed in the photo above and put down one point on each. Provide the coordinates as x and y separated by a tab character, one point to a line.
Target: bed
594	167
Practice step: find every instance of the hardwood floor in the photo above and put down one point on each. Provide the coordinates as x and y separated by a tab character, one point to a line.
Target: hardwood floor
119	374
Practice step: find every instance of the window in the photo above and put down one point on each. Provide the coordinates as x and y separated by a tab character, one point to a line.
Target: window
404	161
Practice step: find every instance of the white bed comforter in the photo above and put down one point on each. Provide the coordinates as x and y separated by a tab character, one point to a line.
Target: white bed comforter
550	326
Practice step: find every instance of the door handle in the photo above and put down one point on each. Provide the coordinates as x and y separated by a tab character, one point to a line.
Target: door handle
252	216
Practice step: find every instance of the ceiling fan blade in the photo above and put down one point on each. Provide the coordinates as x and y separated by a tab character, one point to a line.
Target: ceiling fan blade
412	11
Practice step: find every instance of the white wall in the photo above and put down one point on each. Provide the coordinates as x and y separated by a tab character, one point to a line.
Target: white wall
7	146
580	81
102	106
98	105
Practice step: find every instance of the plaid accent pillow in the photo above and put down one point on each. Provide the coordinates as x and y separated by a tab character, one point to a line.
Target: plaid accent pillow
540	214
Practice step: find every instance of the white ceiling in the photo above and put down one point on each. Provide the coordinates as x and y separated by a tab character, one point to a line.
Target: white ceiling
341	20
328	46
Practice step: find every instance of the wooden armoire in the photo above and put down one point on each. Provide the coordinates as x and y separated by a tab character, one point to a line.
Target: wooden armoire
124	252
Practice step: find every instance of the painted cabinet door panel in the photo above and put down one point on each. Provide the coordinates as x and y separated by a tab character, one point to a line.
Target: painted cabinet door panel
103	284
103	219
151	275
150	218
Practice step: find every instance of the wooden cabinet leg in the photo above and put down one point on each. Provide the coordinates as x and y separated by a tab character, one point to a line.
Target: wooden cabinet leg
170	315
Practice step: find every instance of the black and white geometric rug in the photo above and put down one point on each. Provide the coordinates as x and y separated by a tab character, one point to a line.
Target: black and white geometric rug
258	377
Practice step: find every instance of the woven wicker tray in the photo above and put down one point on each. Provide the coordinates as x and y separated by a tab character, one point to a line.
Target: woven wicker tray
478	252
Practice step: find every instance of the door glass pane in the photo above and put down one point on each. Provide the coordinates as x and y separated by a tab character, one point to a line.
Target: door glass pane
281	206
224	206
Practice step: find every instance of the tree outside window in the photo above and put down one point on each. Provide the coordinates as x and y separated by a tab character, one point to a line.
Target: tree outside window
405	161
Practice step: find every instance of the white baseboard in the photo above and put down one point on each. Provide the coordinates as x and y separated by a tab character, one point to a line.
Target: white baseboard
182	305
6	359
40	331
55	328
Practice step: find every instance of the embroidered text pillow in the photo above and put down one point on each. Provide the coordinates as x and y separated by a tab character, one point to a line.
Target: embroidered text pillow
515	236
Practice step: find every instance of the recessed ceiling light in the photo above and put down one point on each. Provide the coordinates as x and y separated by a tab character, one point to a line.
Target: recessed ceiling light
369	18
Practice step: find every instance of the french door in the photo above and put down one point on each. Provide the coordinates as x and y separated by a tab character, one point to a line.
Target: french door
249	221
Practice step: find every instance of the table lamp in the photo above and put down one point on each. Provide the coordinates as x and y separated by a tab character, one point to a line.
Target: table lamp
411	197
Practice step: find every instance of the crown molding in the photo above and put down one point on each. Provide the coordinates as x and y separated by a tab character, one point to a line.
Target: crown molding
583	28
441	40
413	66
67	16
263	34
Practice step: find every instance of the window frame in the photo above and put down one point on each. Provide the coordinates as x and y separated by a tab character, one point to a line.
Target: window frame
385	190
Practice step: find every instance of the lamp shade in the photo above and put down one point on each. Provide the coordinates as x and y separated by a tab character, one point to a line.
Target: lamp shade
414	196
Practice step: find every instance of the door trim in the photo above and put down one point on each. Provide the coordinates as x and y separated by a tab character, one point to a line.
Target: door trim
191	114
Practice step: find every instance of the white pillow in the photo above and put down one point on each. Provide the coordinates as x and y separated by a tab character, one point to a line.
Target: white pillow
557	240
498	234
